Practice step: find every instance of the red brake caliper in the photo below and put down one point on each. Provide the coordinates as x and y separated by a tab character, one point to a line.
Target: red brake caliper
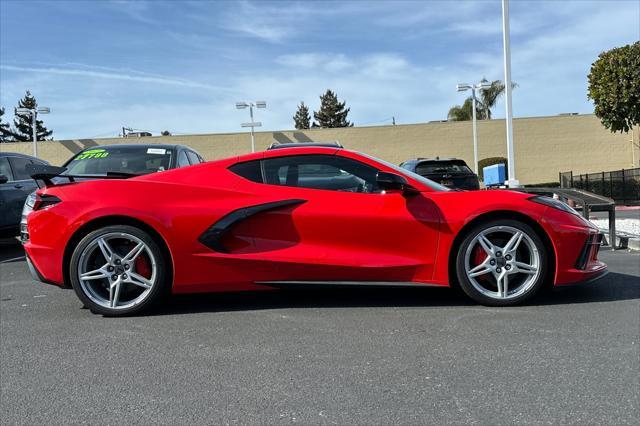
143	267
477	257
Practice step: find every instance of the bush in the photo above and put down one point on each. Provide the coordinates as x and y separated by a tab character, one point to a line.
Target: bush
490	162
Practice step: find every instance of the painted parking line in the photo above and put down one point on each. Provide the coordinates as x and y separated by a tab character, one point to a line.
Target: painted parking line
13	259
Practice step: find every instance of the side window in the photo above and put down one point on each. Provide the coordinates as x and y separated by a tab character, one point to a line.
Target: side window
328	172
5	169
18	166
183	161
193	158
248	170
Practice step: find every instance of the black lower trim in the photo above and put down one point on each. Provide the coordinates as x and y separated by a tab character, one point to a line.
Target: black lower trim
344	284
212	237
591	280
35	274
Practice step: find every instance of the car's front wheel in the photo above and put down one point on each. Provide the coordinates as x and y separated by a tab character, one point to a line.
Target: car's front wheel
118	270
502	262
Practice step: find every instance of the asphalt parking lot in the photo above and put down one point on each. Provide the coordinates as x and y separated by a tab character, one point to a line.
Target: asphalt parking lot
362	356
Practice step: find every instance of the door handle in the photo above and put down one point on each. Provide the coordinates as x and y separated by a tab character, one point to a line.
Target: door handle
17	186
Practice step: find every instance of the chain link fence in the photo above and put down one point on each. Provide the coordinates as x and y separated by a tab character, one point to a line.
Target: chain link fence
623	186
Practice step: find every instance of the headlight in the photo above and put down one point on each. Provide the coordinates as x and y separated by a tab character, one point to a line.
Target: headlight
552	202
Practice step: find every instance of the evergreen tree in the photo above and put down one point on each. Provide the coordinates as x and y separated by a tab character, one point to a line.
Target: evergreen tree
22	122
302	119
6	135
332	113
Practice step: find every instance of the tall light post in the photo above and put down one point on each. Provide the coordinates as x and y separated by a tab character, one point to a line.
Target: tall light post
511	164
252	124
462	87
33	112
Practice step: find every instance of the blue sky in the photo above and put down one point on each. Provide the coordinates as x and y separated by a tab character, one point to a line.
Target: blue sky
182	65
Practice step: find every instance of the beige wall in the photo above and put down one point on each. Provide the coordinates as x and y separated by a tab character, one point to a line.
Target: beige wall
544	146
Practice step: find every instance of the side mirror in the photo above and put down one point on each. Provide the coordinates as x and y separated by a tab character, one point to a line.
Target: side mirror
4	179
393	182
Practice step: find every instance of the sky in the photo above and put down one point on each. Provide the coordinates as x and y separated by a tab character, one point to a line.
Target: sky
182	65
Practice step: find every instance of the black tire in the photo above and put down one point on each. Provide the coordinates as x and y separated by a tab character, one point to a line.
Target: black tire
158	289
534	285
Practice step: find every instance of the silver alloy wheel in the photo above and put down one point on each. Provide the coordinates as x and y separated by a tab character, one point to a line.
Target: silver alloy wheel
512	264
116	283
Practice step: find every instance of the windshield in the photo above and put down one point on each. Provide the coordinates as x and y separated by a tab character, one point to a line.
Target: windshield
427	167
134	160
423	180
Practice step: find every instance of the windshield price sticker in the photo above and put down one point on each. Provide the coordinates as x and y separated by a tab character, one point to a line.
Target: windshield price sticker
156	151
92	153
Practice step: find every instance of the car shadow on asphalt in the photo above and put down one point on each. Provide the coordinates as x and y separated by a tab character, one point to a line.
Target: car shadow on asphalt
613	287
10	250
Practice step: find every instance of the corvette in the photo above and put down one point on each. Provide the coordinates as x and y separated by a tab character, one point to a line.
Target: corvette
296	216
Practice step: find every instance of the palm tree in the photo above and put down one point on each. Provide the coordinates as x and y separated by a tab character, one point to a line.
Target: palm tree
487	100
489	97
464	112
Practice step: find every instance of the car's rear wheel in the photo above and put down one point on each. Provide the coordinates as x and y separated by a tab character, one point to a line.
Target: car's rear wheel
118	270
501	262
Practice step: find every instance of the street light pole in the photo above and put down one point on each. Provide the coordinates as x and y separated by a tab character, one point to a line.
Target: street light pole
252	124
473	87
33	113
34	129
475	132
512	181
253	137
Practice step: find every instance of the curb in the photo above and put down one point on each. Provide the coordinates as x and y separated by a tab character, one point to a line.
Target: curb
622	241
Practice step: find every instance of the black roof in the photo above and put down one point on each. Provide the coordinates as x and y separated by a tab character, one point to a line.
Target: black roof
138	145
17	154
277	145
434	159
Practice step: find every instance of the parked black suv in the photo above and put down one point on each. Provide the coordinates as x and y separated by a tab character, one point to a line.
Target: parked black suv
450	172
15	185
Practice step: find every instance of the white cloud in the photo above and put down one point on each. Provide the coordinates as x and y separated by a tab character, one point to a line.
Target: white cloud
327	62
134	76
137	10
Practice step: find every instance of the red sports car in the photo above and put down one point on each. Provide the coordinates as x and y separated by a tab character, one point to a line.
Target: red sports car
293	217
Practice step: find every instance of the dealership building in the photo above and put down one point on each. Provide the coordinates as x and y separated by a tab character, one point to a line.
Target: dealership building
544	146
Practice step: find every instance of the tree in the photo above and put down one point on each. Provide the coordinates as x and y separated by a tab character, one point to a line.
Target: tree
614	87
489	97
6	135
484	102
302	119
332	113
23	123
464	112
165	133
